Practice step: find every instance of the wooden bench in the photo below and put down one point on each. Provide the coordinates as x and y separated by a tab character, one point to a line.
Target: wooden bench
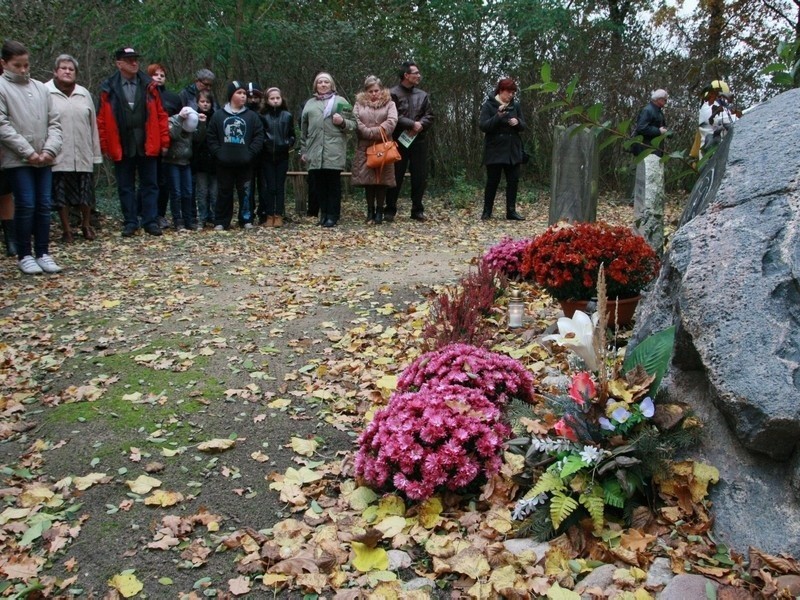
300	188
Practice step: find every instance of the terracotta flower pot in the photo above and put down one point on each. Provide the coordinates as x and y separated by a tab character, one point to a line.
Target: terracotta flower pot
619	312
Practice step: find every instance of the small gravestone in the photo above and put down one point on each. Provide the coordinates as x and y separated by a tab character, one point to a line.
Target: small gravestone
575	172
730	283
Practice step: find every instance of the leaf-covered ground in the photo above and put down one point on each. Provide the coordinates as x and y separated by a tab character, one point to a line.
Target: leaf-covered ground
177	414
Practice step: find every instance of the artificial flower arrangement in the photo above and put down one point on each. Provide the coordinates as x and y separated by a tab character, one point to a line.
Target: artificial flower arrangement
564	260
594	450
443	427
506	257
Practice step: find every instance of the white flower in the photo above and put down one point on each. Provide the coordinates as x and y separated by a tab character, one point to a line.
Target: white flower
577	334
525	507
647	407
605	424
591	455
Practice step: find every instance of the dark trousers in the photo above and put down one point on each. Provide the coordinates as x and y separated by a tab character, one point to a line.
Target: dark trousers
493	174
126	171
272	187
228	178
32	187
163	188
415	157
328	186
181	200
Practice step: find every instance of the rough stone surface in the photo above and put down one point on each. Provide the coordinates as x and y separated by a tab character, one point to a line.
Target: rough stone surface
418	583
575	175
686	587
600	578
788	583
731	285
519	545
659	574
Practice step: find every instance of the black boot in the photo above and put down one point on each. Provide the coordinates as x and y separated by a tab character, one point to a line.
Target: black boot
488	205
514	216
10	237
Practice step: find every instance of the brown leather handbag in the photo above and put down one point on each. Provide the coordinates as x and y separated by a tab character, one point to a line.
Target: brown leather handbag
382	153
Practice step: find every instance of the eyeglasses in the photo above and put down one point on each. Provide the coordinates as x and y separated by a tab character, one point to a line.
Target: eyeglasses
414	73
207	83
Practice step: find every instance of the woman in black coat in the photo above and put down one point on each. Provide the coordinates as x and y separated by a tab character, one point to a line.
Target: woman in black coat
502	120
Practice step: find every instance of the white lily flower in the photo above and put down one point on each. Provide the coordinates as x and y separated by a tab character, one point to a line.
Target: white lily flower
577	334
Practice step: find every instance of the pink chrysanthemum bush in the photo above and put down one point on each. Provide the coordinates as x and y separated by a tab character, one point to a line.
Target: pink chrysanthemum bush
506	257
498	377
440	437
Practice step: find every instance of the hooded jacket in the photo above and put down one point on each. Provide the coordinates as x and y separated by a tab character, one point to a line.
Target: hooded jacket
29	123
110	115
235	137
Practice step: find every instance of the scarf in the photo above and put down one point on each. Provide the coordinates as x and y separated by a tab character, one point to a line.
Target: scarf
503	106
331	98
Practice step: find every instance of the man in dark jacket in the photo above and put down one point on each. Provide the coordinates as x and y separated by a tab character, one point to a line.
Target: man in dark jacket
134	132
648	196
414	119
204	80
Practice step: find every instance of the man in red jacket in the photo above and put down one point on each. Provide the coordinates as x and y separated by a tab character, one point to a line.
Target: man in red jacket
134	132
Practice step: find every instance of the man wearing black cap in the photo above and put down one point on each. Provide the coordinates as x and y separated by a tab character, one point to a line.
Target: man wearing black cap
134	132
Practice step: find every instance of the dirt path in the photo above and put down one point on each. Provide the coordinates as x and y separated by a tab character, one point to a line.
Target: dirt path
145	348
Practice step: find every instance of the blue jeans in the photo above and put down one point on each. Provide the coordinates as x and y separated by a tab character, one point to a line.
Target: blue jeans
180	195
32	187
206	196
126	170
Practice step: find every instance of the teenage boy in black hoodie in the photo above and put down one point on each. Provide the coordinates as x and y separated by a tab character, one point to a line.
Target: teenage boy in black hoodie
235	137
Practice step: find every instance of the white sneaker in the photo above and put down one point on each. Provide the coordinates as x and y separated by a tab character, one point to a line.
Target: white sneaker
47	264
29	266
219	228
248	225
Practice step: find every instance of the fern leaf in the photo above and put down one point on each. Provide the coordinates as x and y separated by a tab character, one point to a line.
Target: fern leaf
561	507
612	493
548	482
595	505
572	465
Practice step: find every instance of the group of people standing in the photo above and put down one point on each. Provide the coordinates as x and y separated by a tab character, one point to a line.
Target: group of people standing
402	113
187	153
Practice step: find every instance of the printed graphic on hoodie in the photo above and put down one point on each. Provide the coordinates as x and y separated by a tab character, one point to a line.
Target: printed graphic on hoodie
235	129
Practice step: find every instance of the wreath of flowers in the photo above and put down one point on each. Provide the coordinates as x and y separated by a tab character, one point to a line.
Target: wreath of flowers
564	260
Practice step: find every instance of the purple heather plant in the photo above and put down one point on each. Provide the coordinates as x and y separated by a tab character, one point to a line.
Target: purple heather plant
506	257
442	436
498	377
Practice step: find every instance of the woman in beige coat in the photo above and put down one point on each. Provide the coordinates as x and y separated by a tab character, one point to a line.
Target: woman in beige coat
73	179
374	110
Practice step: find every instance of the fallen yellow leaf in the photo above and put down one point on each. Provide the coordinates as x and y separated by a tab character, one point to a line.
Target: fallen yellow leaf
126	584
369	559
216	445
304	447
143	484
163	498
